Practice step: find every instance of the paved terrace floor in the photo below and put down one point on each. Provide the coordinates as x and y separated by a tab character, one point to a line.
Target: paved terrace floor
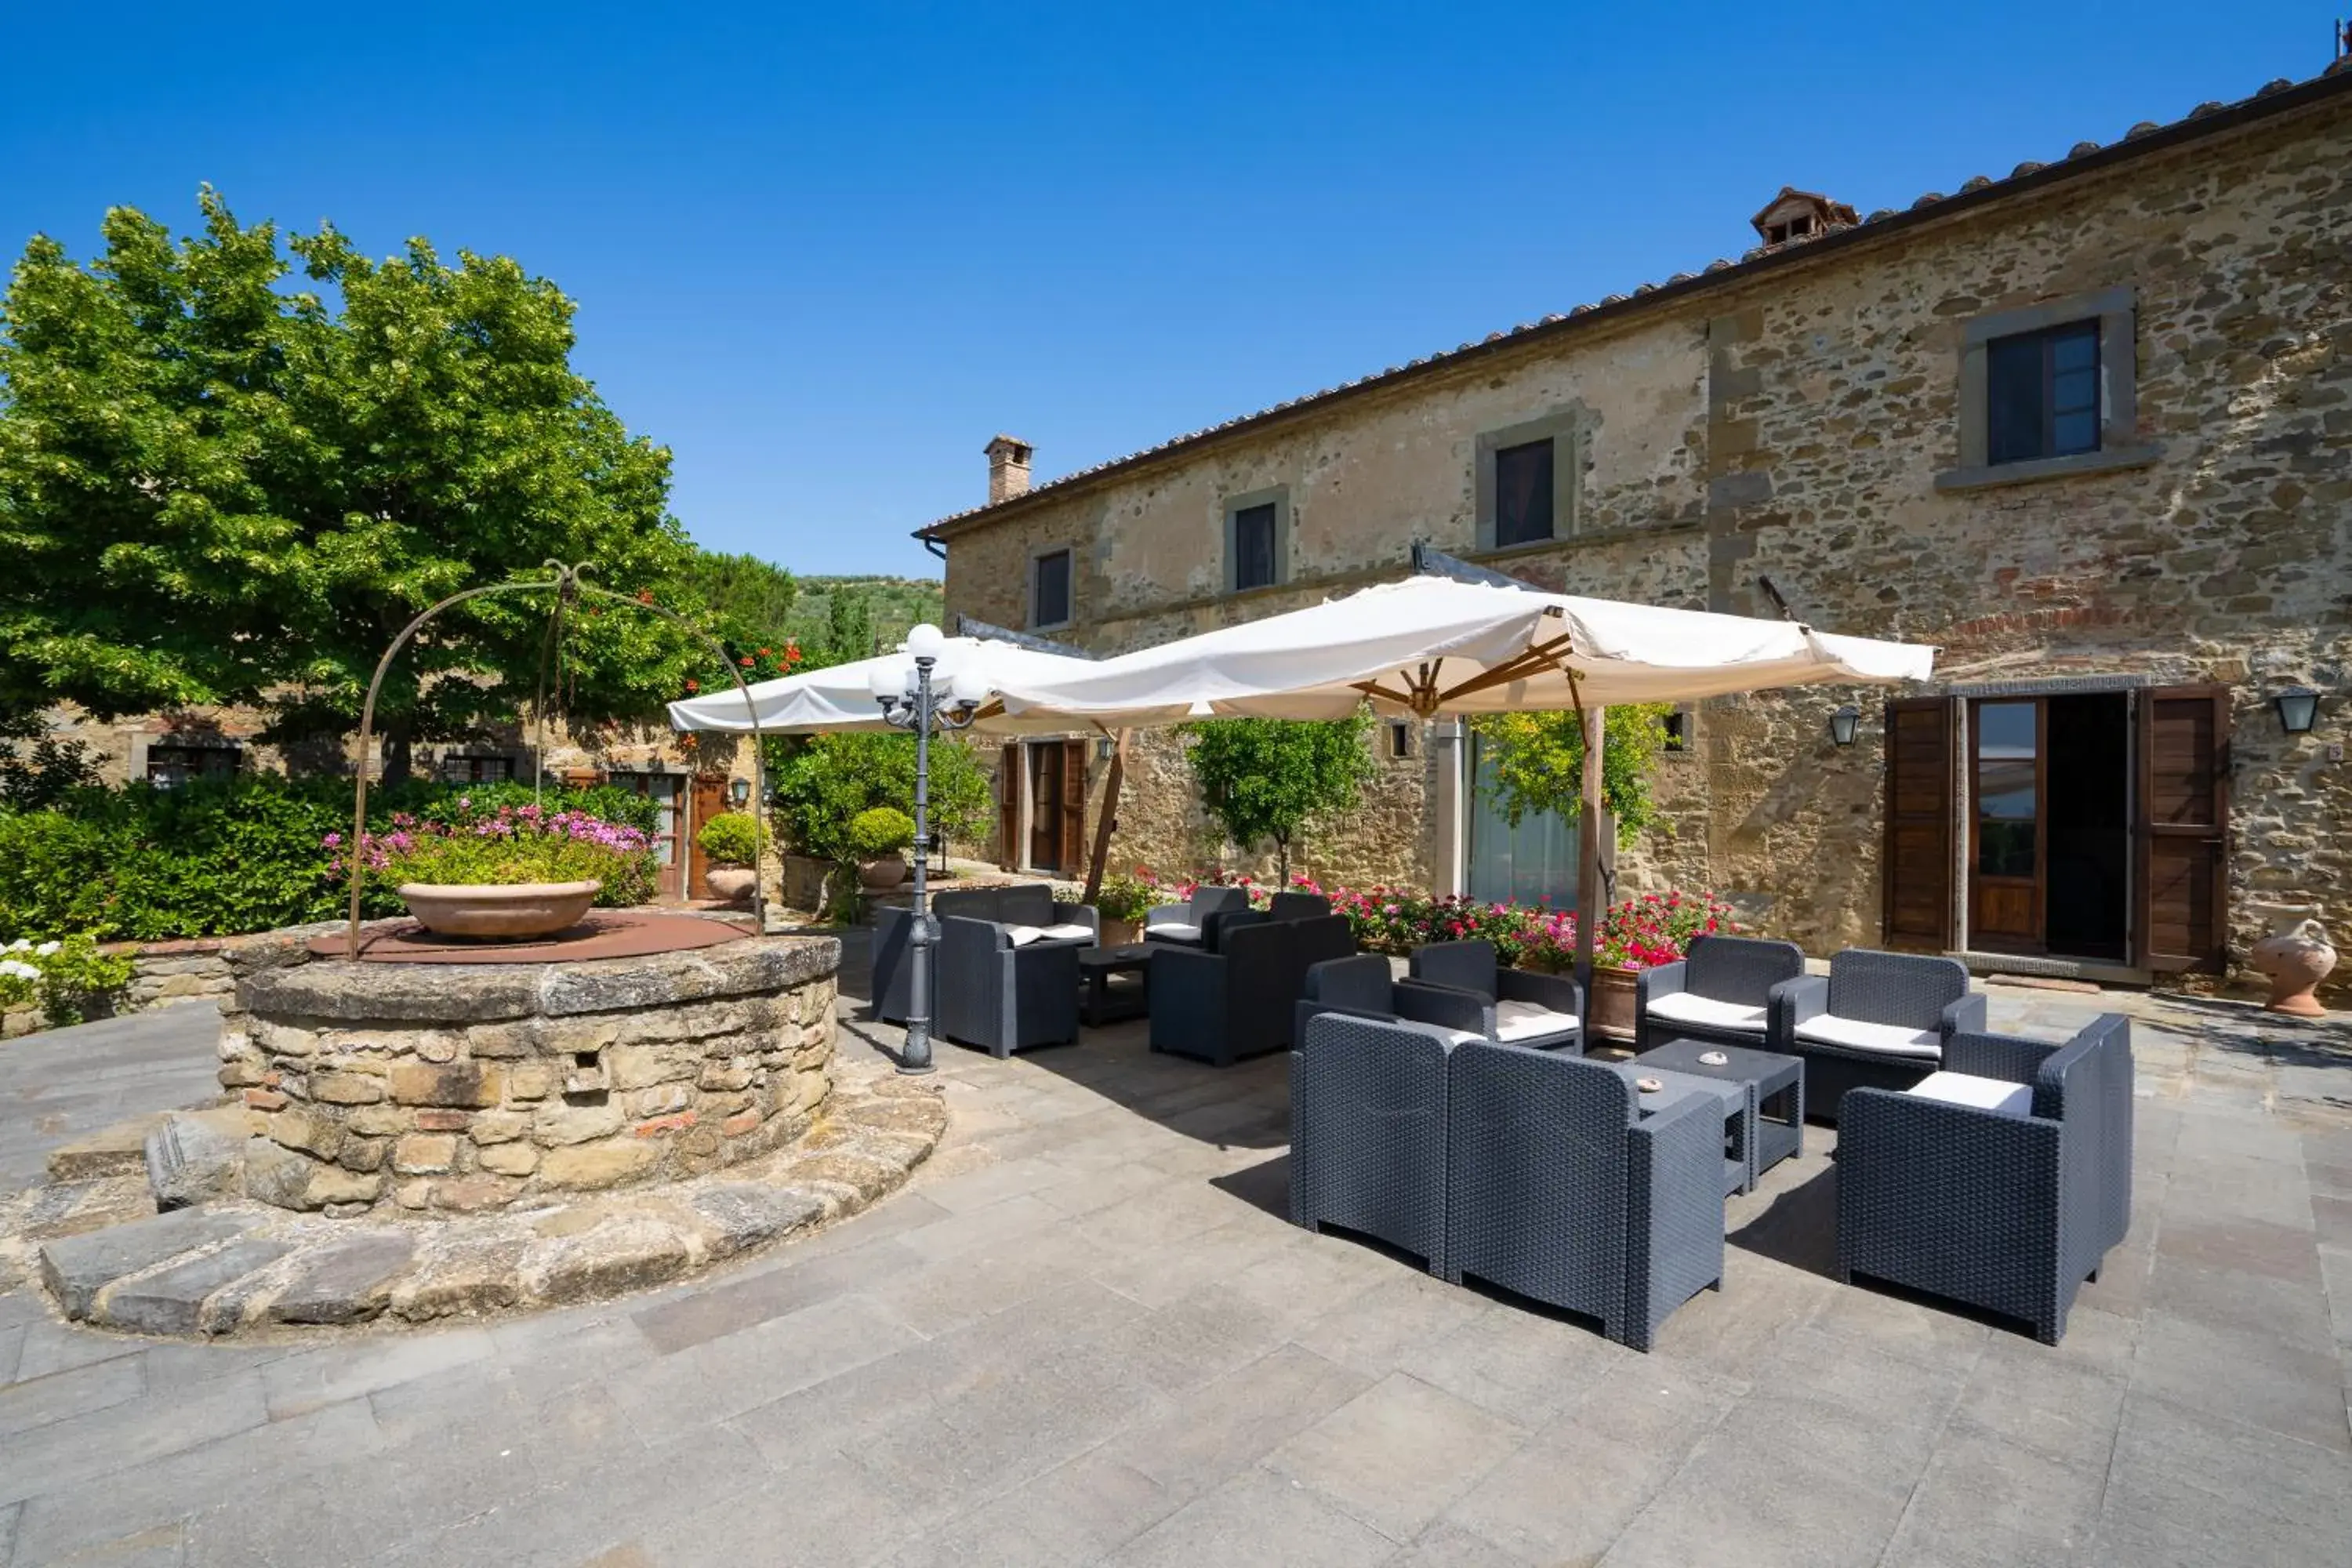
1084	1335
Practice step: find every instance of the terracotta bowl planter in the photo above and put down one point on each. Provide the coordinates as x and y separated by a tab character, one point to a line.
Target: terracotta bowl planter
1120	933
882	873
518	910
731	884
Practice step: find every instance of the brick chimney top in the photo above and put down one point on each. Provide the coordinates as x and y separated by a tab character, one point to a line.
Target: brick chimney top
1796	215
1008	468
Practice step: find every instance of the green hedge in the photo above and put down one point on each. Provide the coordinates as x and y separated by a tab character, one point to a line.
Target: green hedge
220	858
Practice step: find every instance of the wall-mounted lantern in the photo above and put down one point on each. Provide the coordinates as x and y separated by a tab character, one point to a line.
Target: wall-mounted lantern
1842	724
739	791
2298	708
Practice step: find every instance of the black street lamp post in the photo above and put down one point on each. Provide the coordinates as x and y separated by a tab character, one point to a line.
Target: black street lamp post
910	700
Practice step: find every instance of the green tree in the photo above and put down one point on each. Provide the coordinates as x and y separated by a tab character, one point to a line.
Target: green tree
849	628
823	782
750	600
1269	778
1534	761
214	490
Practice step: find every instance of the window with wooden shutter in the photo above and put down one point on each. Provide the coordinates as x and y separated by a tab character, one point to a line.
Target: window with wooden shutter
2184	816
1917	872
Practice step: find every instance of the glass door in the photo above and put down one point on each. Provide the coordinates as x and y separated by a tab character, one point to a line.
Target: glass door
1535	861
2007	849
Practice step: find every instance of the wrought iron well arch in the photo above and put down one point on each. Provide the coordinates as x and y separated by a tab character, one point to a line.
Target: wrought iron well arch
567	586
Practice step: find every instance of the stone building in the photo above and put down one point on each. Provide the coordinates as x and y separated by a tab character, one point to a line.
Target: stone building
2086	427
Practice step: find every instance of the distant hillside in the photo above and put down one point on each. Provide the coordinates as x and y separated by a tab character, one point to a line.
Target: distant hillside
893	604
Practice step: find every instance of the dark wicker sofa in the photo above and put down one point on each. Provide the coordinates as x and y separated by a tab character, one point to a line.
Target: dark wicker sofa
1544	1012
1721	992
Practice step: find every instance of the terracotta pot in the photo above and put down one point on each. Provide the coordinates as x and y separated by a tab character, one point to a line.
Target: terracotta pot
1609	1010
515	910
882	873
1120	933
2296	958
731	884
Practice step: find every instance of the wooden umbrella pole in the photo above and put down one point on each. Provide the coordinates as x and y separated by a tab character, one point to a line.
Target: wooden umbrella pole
1589	821
1107	820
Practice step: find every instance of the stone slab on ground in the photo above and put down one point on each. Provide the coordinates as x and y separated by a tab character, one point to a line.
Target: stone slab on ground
78	1267
348	1280
171	1301
120	1149
193	1157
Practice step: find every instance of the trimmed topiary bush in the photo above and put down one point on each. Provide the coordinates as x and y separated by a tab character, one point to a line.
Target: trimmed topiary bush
883	830
731	839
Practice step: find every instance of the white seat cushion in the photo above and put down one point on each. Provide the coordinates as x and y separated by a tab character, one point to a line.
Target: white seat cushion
1021	936
1682	1007
1524	1020
1068	932
1996	1095
1886	1039
1173	931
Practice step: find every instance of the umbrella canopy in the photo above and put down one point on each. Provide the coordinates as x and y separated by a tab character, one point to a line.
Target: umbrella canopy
840	696
1433	644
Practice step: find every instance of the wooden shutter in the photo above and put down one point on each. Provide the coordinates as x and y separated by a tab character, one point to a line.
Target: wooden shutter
2183	827
1917	872
1008	804
1074	807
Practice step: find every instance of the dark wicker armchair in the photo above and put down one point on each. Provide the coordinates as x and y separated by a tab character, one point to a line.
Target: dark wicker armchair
1364	987
1719	991
1187	924
1878	1020
1543	1012
1237	1002
1005	997
2001	1180
1367	1128
1030	905
1563	1187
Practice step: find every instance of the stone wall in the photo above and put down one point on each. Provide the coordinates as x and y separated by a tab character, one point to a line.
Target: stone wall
1791	422
444	1089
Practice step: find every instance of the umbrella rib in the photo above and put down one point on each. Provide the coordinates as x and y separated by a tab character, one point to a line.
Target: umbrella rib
1534	659
1374	689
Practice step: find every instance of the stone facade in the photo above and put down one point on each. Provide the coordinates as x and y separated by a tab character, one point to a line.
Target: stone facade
1798	416
446	1088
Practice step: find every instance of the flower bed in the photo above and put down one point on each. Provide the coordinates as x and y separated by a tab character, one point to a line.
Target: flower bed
1639	932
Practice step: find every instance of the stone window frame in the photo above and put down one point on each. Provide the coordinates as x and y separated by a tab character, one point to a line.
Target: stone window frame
1030	588
1278	496
2116	311
1565	429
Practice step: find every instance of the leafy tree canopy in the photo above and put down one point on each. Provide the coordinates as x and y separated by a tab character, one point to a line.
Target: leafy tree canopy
750	600
1534	761
216	490
1269	778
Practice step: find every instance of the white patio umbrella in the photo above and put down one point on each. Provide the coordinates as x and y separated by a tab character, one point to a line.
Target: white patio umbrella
1430	646
841	696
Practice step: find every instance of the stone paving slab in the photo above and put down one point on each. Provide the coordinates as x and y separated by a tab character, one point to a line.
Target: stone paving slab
1082	1335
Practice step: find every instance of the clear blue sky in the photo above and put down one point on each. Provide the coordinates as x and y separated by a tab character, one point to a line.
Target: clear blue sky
825	253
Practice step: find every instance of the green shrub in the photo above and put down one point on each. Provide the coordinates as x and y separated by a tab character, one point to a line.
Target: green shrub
824	782
731	839
71	978
883	830
222	857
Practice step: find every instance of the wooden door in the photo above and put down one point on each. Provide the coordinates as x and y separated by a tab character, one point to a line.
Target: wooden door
1073	823
1008	806
1918	860
2183	827
709	801
1048	779
2008	849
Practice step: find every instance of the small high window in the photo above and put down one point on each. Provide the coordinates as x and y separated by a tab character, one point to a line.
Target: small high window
170	766
1253	547
1523	493
1400	739
2042	393
1049	590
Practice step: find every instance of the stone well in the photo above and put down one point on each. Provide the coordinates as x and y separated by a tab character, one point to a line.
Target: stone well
443	1089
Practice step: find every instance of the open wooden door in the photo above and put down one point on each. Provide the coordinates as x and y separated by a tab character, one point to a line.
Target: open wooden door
1008	806
1917	871
2183	827
709	801
1072	854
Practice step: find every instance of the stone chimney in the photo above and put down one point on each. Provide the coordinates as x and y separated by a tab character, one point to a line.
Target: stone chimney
1008	468
1796	215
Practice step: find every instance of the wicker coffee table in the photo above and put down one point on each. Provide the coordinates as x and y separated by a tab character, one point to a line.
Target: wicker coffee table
1105	1002
1771	1126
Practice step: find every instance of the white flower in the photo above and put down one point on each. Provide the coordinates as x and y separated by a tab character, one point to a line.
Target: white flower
19	946
16	969
47	948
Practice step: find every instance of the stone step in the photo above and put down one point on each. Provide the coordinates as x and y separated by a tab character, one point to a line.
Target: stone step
77	1267
117	1151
